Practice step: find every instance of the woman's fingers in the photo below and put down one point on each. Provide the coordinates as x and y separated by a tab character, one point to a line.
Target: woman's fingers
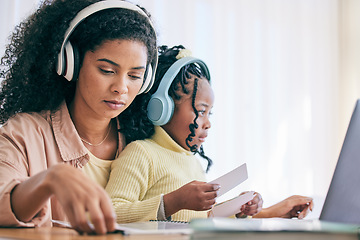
81	219
84	202
97	218
109	215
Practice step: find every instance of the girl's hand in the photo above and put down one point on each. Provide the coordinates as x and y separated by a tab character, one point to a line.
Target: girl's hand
252	207
198	196
294	206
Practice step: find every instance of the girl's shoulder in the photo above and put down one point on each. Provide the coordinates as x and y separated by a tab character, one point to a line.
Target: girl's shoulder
139	151
139	146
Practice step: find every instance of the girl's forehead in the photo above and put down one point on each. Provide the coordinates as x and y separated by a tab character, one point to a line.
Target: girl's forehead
190	84
203	88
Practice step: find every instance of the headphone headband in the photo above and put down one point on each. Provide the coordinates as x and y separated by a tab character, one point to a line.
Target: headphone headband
62	64
175	68
161	105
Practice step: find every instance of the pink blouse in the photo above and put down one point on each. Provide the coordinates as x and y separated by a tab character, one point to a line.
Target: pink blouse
31	143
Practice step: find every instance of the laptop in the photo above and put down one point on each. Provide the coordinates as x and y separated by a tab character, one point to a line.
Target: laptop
342	203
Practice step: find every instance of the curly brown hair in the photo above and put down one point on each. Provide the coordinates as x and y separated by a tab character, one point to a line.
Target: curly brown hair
30	82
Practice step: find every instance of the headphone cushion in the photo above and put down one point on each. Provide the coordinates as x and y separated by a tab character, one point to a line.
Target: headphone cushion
160	109
148	80
155	109
76	64
71	66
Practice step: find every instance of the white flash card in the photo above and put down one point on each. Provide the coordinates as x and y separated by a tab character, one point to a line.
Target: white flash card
231	179
232	206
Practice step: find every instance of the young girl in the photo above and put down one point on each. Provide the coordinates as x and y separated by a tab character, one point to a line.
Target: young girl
159	178
73	70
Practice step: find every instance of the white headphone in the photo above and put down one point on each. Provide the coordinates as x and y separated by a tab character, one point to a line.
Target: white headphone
161	106
68	60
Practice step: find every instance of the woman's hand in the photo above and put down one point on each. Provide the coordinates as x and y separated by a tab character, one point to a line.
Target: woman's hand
252	207
294	206
198	196
82	200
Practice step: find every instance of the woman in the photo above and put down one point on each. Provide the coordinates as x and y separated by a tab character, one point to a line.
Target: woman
73	69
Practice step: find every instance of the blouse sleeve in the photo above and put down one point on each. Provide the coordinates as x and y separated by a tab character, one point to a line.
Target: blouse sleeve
130	178
14	170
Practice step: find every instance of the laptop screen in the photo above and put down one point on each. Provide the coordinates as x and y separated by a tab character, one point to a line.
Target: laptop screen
342	203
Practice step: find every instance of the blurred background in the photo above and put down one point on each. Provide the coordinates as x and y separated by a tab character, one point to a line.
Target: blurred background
286	75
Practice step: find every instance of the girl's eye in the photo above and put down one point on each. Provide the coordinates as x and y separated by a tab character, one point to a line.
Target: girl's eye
204	112
201	112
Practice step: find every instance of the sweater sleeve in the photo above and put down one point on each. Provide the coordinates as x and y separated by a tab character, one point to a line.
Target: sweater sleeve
130	178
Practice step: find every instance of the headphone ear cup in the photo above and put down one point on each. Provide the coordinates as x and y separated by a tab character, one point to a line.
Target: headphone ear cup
160	109
148	81
72	62
69	62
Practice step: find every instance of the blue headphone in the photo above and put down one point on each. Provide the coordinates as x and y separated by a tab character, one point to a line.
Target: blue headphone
161	106
68	63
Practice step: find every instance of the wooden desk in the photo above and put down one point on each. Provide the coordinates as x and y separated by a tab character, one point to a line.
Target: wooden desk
56	233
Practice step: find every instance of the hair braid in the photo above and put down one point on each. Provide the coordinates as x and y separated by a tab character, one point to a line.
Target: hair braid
193	126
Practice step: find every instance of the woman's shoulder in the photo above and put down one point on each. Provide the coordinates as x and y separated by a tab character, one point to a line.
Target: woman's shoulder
22	132
27	122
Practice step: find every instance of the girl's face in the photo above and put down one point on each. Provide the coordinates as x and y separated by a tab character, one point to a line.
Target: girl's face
110	78
184	115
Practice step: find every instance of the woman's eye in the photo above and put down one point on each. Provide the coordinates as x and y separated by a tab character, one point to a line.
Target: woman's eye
106	71
135	77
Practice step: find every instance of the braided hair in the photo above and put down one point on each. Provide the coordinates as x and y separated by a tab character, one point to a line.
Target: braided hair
179	87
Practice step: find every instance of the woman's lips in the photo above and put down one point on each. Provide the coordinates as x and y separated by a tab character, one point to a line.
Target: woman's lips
115	105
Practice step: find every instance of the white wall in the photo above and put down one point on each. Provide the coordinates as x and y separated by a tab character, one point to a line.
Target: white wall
11	13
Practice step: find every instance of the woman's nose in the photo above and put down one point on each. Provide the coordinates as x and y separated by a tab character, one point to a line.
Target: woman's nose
119	85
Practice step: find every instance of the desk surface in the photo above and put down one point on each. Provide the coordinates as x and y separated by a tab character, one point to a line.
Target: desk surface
56	233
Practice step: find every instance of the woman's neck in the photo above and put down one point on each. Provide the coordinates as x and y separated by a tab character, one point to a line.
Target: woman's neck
91	129
100	136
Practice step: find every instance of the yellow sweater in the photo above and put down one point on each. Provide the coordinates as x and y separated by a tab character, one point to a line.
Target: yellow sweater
146	169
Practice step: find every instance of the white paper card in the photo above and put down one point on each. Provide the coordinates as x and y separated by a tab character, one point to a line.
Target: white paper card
232	206
231	179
